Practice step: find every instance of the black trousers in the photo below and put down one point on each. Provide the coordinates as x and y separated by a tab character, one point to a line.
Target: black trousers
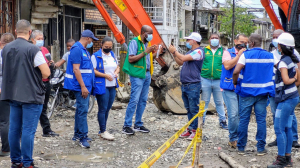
43	118
4	124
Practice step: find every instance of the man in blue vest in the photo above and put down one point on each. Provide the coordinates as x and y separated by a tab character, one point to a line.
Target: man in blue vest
80	79
273	105
253	88
229	96
190	79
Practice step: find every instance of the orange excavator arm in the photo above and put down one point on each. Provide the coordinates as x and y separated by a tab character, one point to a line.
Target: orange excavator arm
134	17
269	8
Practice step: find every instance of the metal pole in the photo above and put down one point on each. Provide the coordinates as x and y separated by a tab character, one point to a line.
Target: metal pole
123	53
233	21
195	16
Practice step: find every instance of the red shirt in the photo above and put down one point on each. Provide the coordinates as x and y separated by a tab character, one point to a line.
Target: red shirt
45	53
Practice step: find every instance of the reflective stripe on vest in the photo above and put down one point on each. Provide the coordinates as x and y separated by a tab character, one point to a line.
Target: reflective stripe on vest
86	71
69	76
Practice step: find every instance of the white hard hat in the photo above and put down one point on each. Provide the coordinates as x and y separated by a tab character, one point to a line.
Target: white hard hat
194	36
286	39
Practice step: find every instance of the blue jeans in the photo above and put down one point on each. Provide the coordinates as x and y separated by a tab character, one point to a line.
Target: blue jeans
190	97
213	86
81	126
105	102
231	102
138	100
245	108
294	124
24	118
283	125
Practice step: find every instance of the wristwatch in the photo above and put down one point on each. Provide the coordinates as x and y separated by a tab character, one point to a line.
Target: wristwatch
145	53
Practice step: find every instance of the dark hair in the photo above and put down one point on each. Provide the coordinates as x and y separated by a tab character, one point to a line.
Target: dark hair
256	39
7	38
23	27
107	39
239	35
199	43
71	41
289	51
214	34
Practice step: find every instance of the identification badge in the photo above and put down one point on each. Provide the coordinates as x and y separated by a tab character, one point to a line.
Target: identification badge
104	62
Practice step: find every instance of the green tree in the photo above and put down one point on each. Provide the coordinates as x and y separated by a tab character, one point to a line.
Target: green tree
243	21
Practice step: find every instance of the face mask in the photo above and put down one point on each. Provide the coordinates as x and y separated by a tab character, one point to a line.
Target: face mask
278	52
214	42
149	37
89	45
187	44
240	46
107	50
39	43
247	46
275	42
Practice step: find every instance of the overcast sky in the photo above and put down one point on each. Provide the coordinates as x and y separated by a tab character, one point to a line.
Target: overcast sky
253	4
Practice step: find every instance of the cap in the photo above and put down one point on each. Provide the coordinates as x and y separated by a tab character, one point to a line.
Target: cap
194	36
88	33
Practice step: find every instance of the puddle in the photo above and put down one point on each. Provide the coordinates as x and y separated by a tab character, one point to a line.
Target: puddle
84	157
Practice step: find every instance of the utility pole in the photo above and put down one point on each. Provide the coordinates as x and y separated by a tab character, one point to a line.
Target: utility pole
123	53
233	21
195	16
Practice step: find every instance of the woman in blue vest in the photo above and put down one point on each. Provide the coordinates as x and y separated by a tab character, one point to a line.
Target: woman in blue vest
106	72
286	96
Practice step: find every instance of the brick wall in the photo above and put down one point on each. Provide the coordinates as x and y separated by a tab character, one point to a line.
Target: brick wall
97	45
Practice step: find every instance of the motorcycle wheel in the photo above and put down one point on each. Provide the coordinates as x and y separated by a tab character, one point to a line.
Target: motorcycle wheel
91	103
52	104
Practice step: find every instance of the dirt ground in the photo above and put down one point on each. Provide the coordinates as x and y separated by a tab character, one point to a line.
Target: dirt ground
130	151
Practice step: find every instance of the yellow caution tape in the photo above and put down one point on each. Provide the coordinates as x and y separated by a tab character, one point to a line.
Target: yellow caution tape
162	149
187	150
120	83
123	52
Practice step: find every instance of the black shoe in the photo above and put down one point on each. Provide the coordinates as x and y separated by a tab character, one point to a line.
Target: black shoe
224	125
274	143
295	144
279	163
141	129
31	166
16	165
127	130
289	161
50	134
262	153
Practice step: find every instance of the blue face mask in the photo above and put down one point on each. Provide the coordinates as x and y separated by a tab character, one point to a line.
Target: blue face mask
150	37
275	42
89	45
39	43
247	46
278	52
214	42
187	44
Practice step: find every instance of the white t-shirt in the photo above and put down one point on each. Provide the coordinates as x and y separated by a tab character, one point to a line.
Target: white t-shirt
66	56
197	54
110	65
39	59
284	65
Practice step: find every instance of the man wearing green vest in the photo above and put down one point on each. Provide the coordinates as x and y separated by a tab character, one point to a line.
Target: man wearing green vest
139	66
210	77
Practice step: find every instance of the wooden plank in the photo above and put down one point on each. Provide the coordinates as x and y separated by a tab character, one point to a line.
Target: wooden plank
39	21
44	3
43	15
48	9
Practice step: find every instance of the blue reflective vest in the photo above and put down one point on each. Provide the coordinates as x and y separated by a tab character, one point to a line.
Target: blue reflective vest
86	69
99	84
226	75
255	79
284	92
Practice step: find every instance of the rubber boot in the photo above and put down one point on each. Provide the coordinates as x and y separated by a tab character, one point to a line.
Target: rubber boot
289	161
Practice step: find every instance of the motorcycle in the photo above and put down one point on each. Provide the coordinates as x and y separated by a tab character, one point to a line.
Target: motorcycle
61	98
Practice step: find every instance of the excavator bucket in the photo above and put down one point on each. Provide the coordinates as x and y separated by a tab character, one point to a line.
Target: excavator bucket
166	83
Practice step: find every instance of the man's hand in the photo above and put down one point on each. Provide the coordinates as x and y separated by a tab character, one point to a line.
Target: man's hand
51	62
172	49
241	51
150	49
109	77
116	75
84	92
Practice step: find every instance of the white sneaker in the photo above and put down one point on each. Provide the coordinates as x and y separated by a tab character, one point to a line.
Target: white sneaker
108	136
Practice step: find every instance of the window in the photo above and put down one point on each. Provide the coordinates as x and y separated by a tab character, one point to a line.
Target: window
101	32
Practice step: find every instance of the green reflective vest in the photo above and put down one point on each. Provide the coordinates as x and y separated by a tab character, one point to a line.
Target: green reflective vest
212	64
138	69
